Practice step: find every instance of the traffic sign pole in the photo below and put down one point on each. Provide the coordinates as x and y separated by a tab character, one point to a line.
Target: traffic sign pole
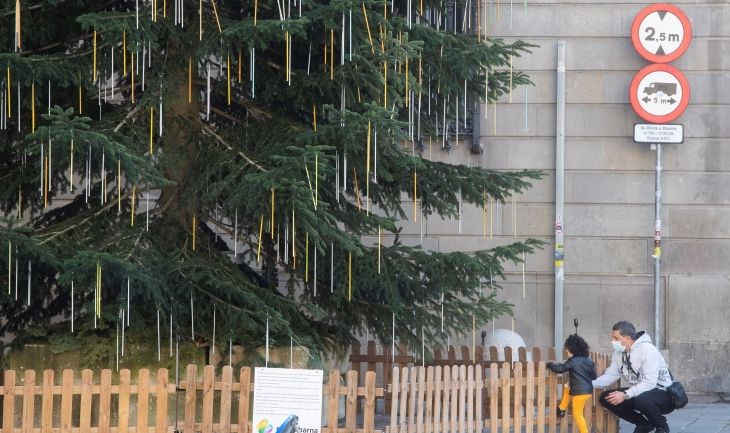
659	93
658	293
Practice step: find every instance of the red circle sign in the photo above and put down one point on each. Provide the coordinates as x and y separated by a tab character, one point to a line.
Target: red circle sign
659	93
661	33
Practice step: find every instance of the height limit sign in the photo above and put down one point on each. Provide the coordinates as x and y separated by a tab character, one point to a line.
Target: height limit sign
661	33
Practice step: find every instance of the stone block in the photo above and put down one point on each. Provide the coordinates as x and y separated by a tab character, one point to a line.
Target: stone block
701	366
609	187
583	302
518	153
620	220
689	221
625	256
573	20
529	219
691	301
634	303
700	256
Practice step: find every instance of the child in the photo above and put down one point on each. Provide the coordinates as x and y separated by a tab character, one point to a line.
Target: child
582	372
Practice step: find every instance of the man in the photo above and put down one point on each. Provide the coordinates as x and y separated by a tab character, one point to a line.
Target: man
645	402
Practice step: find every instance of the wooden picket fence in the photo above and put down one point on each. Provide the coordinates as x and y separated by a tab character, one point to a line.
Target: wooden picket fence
460	399
151	407
382	362
435	399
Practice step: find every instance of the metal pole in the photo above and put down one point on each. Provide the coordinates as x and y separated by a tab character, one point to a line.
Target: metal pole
559	196
658	295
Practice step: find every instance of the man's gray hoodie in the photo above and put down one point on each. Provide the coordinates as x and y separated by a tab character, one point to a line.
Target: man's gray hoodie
642	368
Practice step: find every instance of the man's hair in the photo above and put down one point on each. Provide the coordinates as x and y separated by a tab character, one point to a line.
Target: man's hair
625	329
577	345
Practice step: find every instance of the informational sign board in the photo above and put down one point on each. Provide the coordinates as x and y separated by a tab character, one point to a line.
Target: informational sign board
287	400
659	93
661	33
654	134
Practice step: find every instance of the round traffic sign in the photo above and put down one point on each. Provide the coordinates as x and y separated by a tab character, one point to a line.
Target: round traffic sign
661	33
659	93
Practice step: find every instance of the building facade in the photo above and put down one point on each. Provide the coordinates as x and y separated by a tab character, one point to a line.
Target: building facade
609	184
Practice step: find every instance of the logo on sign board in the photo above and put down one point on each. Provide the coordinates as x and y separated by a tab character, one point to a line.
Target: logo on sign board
661	33
659	93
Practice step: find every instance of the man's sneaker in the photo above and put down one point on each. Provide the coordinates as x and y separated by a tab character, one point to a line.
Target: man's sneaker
561	413
645	428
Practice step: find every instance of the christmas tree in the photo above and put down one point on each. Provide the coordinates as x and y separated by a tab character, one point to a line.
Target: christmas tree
236	171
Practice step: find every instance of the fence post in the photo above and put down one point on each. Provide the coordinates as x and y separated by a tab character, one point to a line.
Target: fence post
470	399
504	381
66	400
493	354
529	396
429	400
522	354
372	358
226	386
536	356
493	395
190	398
462	384
455	387
105	388
333	404
243	399
9	401
437	399
553	402
412	393
161	401
541	372
421	394
351	401
87	377
445	405
124	381
479	392
28	401
394	388
143	396
208	393
369	413
47	402
404	396
517	412
354	360
508	354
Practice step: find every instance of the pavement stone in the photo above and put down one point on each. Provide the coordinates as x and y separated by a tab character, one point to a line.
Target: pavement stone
695	418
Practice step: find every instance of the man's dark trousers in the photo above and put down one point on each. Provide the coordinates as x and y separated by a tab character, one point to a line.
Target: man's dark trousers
647	408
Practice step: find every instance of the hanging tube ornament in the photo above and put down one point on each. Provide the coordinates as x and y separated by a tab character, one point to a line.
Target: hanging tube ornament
207	95
17	25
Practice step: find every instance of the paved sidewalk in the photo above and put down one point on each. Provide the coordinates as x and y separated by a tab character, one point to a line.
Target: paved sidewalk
695	418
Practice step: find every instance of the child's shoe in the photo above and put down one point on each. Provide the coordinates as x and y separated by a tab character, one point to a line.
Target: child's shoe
561	412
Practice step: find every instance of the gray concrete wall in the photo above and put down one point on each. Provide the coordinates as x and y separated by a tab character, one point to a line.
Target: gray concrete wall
609	185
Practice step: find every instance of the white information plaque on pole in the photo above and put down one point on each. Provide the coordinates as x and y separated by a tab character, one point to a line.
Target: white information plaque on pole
658	133
287	400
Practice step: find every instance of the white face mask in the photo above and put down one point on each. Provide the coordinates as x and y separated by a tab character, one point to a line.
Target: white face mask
617	346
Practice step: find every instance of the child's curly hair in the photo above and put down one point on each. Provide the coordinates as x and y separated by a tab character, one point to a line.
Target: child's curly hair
577	345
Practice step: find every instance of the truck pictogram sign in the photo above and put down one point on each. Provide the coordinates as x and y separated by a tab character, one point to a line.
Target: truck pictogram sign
659	93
